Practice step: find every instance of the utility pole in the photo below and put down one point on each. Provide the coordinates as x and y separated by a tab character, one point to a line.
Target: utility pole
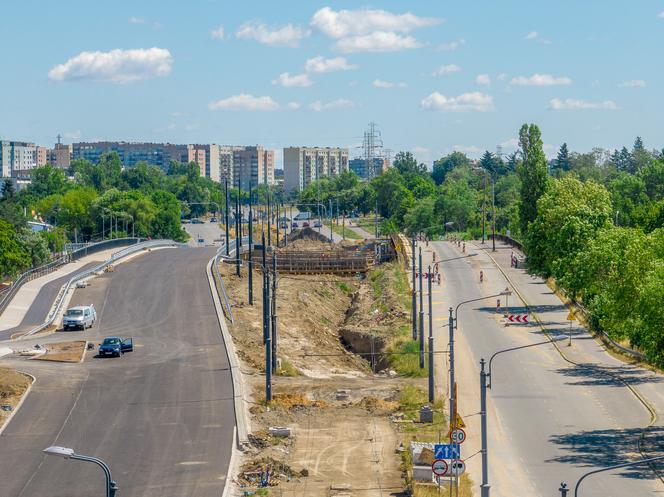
431	390
277	222
413	306
451	351
238	226
421	316
251	242
226	223
485	487
269	219
484	209
266	329
274	312
376	220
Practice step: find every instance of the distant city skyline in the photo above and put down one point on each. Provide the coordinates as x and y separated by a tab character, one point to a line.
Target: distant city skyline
434	77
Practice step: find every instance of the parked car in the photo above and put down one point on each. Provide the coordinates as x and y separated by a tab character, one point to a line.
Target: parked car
185	221
295	225
305	224
196	221
317	224
82	316
115	346
213	219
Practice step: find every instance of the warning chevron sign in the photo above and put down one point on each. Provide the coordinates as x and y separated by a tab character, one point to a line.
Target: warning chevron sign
517	318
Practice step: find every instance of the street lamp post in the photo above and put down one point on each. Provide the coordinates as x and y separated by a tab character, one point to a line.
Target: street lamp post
431	389
421	316
68	453
226	216
414	293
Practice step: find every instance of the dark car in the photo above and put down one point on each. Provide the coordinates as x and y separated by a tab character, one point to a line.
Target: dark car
196	221
115	346
305	224
294	225
317	224
213	219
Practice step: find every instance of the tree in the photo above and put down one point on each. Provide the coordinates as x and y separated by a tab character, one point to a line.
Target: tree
420	218
622	159
47	180
13	257
8	190
562	163
406	163
532	172
446	164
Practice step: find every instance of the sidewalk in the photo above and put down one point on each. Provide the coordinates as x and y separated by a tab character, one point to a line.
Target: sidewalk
18	309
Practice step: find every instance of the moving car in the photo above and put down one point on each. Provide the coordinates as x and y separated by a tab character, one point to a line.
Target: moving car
295	225
82	316
305	224
213	219
196	221
317	224
115	346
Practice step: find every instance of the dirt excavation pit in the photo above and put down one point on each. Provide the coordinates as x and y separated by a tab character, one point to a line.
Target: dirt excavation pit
12	387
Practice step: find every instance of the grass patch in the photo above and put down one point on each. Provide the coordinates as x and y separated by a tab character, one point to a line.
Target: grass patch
344	287
411	399
430	490
287	369
349	234
404	357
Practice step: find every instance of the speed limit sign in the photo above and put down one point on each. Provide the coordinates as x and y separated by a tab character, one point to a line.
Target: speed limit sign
457	436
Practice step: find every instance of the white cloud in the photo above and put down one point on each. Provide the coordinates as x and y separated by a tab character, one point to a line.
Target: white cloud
378	41
661	14
319	64
541	80
217	33
370	30
633	83
483	79
502	76
379	83
346	23
451	46
136	20
244	102
466	102
340	103
296	80
73	135
535	36
293	105
446	69
116	66
574	104
286	36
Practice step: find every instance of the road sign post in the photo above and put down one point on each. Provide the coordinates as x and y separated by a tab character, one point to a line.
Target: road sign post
518	318
484	487
457	436
571	319
439	467
431	385
446	451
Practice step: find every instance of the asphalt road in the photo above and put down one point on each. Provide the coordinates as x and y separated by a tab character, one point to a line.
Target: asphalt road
543	428
162	416
42	304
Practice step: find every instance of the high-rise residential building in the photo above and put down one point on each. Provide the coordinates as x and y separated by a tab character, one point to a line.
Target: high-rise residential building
226	163
41	156
252	163
17	158
60	156
368	170
157	154
302	165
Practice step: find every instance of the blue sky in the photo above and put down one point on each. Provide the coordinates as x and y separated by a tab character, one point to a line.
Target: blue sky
434	76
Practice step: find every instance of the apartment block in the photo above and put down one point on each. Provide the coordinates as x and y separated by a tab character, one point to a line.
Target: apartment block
157	154
369	169
302	165
41	155
60	156
252	164
17	158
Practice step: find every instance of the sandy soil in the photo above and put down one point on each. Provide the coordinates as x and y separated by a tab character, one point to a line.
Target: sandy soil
63	351
12	387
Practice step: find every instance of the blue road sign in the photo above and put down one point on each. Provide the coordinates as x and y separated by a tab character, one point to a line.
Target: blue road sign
447	451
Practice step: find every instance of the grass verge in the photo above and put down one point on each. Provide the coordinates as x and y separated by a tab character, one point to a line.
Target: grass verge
350	234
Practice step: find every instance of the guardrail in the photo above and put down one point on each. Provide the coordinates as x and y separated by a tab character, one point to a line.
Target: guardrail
136	247
40	271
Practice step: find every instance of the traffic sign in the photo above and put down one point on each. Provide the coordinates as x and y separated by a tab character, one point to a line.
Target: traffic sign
446	451
457	436
518	318
458	422
456	468
570	316
439	467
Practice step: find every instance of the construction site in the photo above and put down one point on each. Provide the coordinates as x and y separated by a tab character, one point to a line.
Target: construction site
346	394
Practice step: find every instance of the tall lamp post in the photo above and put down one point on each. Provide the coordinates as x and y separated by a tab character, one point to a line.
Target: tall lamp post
68	453
484	376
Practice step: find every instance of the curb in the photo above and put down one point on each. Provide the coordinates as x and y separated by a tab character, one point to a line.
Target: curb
20	402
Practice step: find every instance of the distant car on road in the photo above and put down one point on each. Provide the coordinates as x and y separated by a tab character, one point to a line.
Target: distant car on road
115	346
305	224
295	225
213	219
82	316
317	224
185	221
196	221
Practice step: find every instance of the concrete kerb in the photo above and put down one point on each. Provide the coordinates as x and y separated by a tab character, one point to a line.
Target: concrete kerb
241	414
20	402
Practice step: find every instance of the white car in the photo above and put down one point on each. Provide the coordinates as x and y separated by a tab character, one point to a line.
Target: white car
82	316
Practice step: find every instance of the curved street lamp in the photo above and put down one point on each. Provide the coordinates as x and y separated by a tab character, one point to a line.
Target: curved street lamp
67	453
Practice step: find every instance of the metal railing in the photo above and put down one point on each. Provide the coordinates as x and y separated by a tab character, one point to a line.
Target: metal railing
7	295
57	307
